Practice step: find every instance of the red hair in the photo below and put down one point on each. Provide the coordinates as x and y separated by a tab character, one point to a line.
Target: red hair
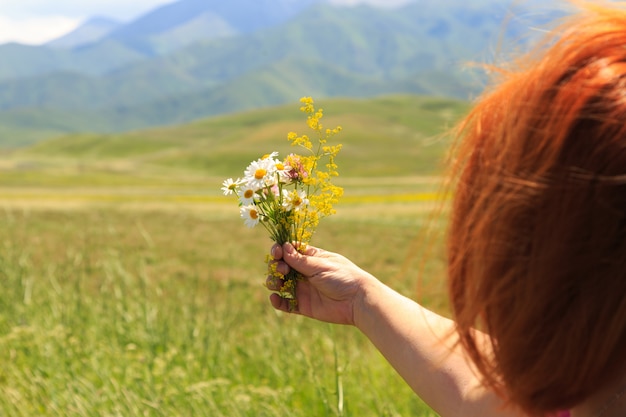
537	240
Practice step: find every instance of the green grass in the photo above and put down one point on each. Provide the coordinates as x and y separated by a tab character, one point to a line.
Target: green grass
164	313
130	287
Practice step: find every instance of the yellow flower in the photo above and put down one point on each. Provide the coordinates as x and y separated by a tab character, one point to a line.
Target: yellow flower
289	197
308	106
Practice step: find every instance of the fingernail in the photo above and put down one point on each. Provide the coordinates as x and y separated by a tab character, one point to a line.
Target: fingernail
289	248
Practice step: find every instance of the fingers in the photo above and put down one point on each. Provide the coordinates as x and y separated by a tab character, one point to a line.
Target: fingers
281	304
276	251
306	263
308	251
285	258
274	284
276	301
276	264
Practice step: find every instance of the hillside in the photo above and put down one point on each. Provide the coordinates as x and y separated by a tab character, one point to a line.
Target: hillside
382	137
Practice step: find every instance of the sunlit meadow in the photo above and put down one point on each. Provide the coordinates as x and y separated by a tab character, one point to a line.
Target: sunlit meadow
130	287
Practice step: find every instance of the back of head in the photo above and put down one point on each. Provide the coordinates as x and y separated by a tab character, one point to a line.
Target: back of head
537	243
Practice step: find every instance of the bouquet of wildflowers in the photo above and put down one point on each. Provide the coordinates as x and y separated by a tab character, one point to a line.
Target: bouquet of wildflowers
289	196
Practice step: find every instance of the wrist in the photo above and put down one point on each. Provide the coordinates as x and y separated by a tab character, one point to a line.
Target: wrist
365	300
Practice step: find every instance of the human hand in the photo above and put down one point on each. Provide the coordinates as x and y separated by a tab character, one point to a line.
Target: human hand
331	287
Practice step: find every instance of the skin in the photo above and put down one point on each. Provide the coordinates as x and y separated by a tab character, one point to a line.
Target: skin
418	343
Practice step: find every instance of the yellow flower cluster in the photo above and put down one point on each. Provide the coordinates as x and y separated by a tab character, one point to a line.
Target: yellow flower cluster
289	196
323	194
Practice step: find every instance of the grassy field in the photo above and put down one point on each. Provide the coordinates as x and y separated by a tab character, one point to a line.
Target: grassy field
131	288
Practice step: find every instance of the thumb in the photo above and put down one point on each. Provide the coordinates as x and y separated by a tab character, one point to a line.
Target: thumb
305	263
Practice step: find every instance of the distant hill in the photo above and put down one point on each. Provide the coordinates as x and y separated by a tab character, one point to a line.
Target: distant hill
19	61
194	58
400	128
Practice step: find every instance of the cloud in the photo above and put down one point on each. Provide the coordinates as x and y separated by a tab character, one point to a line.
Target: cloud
35	30
78	9
38	21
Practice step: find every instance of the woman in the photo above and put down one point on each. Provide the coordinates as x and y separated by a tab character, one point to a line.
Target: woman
536	247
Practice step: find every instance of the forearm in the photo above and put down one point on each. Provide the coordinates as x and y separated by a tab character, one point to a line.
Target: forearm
419	344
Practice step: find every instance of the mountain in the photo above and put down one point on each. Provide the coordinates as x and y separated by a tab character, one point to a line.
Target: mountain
187	60
185	21
382	45
18	61
102	45
91	31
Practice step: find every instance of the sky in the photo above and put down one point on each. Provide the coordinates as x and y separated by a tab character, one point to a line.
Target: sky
37	21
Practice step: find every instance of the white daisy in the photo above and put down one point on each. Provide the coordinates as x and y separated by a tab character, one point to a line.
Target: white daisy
294	200
272	155
248	195
250	215
283	172
260	173
229	186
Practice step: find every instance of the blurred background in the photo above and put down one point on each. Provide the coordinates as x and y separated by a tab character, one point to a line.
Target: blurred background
109	66
129	285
